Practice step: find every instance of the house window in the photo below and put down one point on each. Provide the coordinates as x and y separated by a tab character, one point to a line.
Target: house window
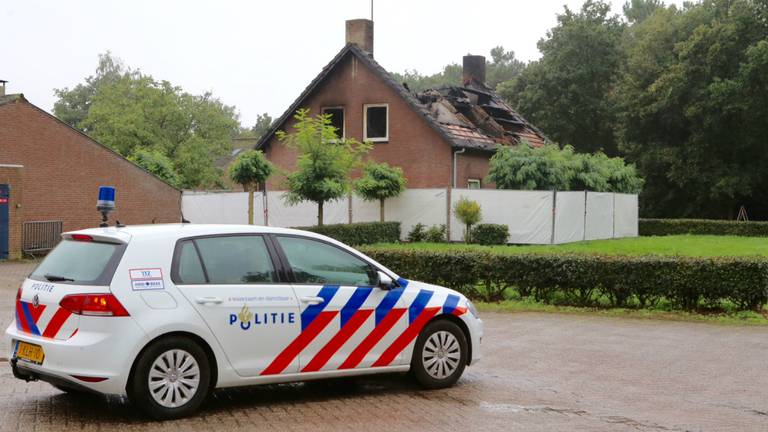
337	119
376	122
473	184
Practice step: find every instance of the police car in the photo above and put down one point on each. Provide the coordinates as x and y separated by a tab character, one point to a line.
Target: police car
166	313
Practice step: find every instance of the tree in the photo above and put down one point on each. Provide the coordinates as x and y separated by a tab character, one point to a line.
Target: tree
638	10
379	182
324	163
250	169
156	163
567	93
469	213
127	110
262	125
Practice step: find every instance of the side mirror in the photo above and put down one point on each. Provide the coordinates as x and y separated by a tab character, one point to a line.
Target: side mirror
385	282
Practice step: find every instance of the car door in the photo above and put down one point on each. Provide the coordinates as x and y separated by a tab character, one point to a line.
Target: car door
233	283
347	322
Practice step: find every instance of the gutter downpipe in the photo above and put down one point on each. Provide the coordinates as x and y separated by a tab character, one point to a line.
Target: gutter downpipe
455	157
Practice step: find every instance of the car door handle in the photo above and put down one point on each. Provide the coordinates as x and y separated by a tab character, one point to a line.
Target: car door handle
312	300
206	300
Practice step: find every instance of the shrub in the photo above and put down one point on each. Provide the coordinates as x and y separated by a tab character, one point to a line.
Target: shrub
662	227
490	234
360	233
436	234
417	233
686	282
468	212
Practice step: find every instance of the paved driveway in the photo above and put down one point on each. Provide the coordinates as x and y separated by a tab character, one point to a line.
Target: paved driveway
542	372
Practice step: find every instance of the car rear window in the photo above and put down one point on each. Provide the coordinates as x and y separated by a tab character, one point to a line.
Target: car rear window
80	263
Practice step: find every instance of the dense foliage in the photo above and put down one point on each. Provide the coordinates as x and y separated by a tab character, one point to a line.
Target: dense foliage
250	169
490	234
664	227
552	168
360	233
379	182
469	213
433	234
325	161
584	280
173	134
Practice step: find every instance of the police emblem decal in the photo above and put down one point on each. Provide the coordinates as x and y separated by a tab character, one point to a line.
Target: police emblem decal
36	301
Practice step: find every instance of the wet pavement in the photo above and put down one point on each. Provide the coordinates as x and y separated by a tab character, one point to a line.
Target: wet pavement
541	372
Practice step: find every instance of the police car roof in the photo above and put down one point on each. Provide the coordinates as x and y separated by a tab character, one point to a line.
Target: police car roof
179	230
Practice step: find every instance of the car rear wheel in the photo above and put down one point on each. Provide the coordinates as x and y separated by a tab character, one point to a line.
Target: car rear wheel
171	378
440	355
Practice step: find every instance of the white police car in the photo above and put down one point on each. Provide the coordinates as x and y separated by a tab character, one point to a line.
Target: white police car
166	313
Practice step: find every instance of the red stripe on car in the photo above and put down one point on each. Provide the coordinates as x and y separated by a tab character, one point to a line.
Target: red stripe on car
56	322
389	321
333	346
407	337
294	348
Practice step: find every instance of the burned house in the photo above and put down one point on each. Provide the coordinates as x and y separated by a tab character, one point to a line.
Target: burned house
439	137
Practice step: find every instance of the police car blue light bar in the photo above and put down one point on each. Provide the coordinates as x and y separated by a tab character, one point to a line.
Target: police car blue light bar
106	199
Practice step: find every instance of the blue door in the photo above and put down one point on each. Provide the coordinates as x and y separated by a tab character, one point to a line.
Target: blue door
5	195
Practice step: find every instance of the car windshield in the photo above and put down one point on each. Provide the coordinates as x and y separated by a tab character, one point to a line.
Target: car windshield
79	262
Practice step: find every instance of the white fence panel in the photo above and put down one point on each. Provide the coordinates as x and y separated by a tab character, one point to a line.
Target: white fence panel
569	217
528	214
221	207
365	211
426	206
304	213
599	216
625	214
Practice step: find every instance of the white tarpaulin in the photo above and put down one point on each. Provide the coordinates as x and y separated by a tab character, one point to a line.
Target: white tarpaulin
569	217
365	211
304	213
528	214
221	207
599	216
625	215
426	206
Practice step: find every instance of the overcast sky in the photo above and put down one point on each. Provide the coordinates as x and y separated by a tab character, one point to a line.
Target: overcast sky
255	55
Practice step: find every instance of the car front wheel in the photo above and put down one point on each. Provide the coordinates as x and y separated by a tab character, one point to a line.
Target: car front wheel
171	378
440	355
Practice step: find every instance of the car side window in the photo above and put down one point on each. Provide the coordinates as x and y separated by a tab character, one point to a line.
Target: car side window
315	262
238	259
189	268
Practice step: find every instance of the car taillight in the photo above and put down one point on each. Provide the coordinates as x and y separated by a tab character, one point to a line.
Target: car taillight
93	305
82	237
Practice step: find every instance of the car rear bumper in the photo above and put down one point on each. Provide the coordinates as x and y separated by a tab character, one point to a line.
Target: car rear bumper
96	360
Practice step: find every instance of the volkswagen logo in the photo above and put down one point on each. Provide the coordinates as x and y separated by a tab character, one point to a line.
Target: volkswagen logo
36	301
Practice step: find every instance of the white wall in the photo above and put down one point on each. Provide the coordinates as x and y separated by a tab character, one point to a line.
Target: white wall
221	207
302	214
599	223
569	217
625	210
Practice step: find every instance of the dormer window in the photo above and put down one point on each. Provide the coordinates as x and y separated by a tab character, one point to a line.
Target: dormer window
337	119
376	122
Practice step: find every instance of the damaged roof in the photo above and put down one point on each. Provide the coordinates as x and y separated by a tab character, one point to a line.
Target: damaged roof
472	116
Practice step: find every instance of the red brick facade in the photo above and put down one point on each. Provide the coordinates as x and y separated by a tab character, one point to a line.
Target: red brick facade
425	157
62	170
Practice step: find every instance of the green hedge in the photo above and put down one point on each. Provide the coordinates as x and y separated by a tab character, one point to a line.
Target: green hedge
662	227
360	233
687	283
490	234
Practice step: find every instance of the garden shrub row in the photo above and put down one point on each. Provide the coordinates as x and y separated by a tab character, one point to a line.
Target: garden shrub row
490	234
663	227
360	233
685	282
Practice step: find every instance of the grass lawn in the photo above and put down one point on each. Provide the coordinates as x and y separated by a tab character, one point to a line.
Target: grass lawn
685	245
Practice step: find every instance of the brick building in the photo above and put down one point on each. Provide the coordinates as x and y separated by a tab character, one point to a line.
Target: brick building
52	173
440	137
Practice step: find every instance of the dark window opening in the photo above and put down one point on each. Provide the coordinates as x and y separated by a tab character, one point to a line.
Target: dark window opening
337	119
376	123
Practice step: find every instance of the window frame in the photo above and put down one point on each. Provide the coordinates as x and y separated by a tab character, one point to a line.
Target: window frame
276	263
365	122
479	183
289	271
343	119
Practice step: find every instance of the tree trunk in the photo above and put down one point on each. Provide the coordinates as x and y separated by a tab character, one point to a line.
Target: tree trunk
319	213
250	206
381	209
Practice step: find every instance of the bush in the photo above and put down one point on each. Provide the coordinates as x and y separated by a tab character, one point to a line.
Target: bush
490	234
621	281
662	227
436	234
417	233
469	213
360	233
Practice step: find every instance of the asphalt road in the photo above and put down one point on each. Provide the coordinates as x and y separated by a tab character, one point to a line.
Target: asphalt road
541	372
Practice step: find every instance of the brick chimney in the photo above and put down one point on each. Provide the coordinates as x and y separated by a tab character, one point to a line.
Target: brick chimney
360	33
473	69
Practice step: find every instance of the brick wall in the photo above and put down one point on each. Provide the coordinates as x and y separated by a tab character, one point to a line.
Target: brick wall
425	158
473	165
13	176
63	170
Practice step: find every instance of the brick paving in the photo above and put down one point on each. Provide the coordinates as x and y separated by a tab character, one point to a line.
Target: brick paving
541	372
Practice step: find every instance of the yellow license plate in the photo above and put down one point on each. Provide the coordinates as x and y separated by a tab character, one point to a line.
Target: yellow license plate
30	352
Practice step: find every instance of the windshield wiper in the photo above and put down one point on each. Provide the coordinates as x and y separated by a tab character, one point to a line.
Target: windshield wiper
56	278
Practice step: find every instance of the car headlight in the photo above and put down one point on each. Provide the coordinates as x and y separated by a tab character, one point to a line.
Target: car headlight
472	309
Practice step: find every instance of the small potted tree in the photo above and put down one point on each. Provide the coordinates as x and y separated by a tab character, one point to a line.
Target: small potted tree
379	182
250	169
468	212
